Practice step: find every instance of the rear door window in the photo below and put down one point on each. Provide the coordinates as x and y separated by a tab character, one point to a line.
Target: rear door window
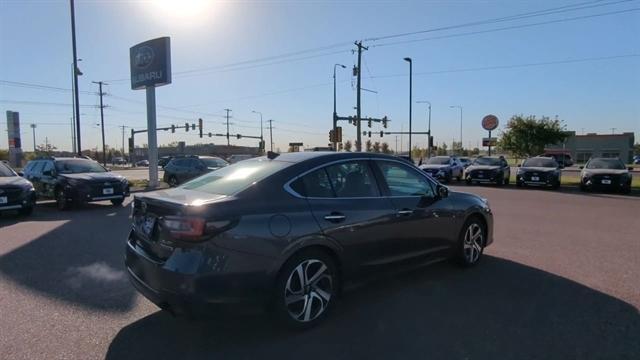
37	167
352	179
316	184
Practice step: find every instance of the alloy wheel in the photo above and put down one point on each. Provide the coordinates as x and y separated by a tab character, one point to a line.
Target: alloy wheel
308	290
473	242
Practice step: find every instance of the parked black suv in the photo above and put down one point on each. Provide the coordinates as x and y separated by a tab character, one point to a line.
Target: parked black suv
488	169
183	168
539	171
605	174
74	181
16	193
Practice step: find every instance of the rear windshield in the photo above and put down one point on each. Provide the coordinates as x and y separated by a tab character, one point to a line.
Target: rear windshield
438	160
6	171
234	178
75	166
487	161
214	162
539	162
614	164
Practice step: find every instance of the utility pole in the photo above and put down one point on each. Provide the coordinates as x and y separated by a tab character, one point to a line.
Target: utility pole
33	127
228	110
104	151
459	107
396	144
408	59
428	127
613	130
75	76
271	133
358	103
122	127
73	135
261	131
335	113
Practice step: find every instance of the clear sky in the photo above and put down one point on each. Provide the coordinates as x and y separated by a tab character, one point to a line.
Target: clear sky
587	70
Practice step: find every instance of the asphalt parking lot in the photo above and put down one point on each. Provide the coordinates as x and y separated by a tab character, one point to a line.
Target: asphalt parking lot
561	281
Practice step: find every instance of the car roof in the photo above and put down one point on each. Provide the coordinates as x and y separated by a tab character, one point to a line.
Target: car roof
329	155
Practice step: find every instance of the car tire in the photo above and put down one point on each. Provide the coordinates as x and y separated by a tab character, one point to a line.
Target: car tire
471	242
583	188
300	302
61	200
459	177
117	202
172	181
469	182
625	190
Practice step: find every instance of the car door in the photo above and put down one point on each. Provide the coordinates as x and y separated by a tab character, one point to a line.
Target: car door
347	204
48	179
35	174
423	220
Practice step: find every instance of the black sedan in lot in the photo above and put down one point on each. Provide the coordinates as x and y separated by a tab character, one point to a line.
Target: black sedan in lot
487	169
289	230
539	171
184	168
609	174
75	181
16	193
443	168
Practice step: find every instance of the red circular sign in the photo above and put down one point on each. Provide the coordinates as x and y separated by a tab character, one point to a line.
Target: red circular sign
490	122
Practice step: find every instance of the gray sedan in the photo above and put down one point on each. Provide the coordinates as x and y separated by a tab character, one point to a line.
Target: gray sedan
290	230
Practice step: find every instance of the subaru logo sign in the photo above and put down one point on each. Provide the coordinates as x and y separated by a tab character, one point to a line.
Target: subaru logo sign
150	63
143	57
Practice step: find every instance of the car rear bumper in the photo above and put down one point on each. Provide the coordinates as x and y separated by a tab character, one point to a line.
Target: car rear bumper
205	279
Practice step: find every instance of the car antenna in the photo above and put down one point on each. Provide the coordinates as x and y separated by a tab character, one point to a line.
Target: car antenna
272	155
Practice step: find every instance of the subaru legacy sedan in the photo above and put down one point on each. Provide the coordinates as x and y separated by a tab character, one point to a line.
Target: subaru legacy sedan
287	231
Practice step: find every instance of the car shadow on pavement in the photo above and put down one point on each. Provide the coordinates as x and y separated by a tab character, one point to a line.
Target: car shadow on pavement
498	310
75	259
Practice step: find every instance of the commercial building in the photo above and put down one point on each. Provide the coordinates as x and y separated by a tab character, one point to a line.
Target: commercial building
583	147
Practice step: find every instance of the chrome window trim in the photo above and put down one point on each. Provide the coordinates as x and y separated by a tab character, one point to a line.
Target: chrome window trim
287	185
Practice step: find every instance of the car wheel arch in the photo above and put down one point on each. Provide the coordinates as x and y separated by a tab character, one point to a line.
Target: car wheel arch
333	250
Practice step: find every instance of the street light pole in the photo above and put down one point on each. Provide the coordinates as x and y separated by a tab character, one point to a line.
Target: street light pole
459	107
261	136
75	76
335	113
408	59
429	127
33	127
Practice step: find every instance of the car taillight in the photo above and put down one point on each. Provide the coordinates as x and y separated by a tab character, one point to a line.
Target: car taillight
184	228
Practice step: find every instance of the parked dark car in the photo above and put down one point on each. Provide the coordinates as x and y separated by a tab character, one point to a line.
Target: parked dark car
16	193
443	168
605	174
290	230
74	181
565	160
142	163
539	171
636	160
184	168
163	161
488	169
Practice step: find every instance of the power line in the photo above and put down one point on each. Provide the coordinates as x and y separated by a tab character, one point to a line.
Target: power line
499	67
40	87
507	28
26	102
537	13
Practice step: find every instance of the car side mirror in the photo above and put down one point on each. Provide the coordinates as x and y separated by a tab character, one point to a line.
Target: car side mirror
443	191
581	167
20	173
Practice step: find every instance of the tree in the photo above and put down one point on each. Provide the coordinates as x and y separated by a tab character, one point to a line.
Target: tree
348	146
475	152
442	150
376	147
385	148
527	136
368	146
636	149
47	147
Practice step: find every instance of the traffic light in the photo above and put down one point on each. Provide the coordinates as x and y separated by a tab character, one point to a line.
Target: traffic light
369	123
369	134
193	126
209	134
384	122
200	127
173	128
238	136
186	127
332	136
338	134
381	133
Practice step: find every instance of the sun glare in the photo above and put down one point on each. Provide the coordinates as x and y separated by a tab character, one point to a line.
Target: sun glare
188	9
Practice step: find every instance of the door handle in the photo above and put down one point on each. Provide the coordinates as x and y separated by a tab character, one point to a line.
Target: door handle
335	217
405	212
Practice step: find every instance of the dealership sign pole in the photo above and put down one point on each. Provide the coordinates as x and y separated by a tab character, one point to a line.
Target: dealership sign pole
150	67
489	123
